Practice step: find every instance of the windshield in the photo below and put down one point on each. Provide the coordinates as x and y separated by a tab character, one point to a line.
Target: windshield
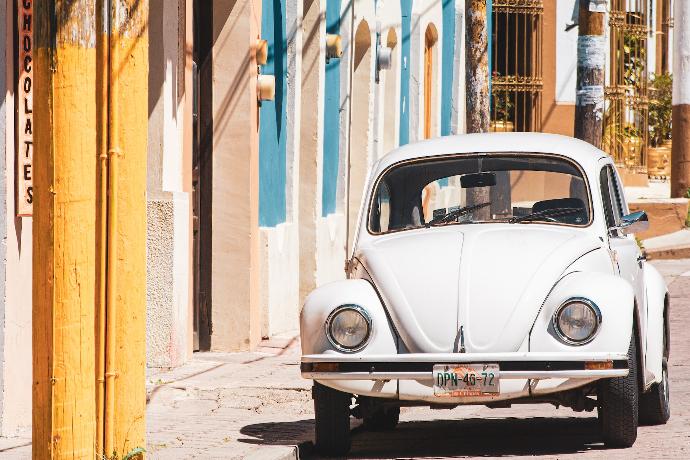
468	189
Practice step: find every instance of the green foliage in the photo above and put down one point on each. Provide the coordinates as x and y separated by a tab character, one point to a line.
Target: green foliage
660	109
503	106
639	243
634	61
136	452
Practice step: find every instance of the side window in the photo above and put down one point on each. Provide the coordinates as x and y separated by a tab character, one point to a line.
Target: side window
380	213
616	196
606	197
618	188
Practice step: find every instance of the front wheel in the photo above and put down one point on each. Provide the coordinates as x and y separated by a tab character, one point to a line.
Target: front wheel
332	424
655	408
617	400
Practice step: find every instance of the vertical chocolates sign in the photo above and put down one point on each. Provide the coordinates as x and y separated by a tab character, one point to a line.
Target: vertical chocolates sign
25	119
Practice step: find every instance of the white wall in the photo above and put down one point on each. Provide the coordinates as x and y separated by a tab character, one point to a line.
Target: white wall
566	51
169	261
15	255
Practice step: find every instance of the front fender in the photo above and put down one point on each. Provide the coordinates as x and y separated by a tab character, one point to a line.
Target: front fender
614	297
323	300
656	318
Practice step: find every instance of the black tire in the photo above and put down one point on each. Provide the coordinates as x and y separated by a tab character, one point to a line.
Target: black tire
384	419
618	405
655	407
332	424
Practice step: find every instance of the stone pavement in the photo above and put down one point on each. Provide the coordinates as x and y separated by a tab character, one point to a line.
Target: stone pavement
255	405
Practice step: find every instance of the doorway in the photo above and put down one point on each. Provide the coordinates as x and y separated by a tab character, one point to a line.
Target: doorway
202	172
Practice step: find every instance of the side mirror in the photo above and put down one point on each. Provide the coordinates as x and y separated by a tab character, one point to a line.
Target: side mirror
634	222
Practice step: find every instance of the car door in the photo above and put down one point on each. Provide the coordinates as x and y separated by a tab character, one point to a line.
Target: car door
624	248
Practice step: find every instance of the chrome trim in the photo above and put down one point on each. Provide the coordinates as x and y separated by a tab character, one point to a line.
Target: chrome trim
333	314
428	376
562	336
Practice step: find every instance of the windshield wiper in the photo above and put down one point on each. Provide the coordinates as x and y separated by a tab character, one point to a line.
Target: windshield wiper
449	216
546	214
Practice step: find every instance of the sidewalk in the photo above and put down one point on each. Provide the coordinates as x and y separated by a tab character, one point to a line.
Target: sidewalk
222	406
231	405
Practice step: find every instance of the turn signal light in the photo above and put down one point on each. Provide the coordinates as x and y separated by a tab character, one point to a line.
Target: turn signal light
598	365
325	367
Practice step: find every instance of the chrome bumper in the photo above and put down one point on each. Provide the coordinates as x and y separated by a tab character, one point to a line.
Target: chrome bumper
419	366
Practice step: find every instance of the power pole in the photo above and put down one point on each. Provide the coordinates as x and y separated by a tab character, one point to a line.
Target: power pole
477	67
477	81
680	156
64	229
591	59
89	247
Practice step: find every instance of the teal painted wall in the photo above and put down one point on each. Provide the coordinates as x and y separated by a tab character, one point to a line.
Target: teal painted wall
406	12
331	129
448	52
272	121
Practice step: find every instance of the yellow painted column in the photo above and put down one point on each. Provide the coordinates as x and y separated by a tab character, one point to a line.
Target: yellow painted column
64	230
125	429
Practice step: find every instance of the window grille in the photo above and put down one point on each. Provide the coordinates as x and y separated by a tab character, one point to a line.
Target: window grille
626	107
516	65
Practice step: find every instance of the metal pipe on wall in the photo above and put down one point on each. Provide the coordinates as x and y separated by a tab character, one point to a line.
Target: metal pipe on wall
102	59
111	287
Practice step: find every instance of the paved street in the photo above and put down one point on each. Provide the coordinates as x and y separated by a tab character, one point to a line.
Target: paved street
253	405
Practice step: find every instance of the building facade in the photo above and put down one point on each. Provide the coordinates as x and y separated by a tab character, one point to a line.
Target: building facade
265	117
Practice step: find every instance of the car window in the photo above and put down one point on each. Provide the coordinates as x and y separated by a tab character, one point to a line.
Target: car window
610	197
380	215
480	188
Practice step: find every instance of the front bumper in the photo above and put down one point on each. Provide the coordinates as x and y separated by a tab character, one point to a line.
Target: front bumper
419	366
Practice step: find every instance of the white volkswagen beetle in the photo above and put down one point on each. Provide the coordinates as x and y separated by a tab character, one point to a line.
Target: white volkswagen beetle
491	269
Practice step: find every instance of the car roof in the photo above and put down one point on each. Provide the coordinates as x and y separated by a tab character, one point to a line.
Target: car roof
581	152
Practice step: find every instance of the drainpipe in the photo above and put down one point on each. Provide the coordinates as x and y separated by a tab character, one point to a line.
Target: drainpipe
102	107
111	287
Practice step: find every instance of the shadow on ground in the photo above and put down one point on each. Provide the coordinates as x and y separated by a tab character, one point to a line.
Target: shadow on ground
488	437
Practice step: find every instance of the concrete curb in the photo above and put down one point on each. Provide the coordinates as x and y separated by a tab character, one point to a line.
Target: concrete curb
673	252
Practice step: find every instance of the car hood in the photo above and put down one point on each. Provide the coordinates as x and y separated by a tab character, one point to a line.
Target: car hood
488	279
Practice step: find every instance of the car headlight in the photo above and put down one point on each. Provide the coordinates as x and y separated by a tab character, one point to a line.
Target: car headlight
577	321
348	328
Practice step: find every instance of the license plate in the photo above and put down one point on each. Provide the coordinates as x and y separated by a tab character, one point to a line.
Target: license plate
458	380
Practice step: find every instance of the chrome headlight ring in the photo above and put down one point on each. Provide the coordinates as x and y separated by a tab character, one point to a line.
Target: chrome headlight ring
594	308
337	311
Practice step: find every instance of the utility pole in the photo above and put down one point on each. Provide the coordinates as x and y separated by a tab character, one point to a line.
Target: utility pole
89	237
64	228
477	81
477	67
591	59
680	156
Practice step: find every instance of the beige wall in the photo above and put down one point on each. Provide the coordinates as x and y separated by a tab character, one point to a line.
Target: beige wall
310	142
236	314
556	118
